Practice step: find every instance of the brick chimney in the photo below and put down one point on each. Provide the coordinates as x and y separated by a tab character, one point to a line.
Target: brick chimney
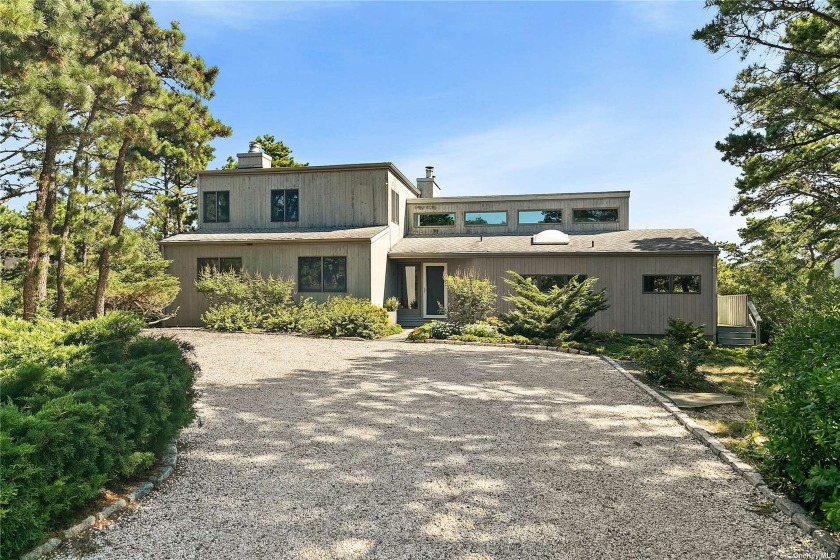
426	185
254	158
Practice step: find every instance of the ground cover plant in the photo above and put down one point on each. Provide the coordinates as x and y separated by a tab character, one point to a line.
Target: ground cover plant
84	405
244	302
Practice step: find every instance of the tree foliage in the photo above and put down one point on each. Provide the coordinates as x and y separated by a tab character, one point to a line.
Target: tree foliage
802	416
471	299
786	132
559	314
281	155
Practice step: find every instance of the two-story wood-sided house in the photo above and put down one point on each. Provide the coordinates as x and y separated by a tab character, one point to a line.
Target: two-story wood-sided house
368	231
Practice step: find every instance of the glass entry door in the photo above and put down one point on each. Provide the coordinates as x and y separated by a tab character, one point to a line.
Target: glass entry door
434	290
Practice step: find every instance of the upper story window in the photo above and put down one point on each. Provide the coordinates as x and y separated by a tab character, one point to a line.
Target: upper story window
219	264
547	281
217	206
540	216
395	207
436	220
671	283
284	205
595	215
485	218
322	274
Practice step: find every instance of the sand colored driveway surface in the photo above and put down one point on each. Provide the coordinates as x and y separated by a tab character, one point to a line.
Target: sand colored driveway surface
339	449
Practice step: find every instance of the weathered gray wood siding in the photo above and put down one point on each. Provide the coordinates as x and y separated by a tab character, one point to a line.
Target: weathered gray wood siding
265	258
378	268
328	198
395	184
631	311
512	205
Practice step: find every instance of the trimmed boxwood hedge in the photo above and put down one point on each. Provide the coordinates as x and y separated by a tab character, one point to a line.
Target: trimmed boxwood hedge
83	405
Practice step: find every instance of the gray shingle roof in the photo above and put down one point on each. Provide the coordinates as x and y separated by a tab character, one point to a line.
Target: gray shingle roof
629	241
277	235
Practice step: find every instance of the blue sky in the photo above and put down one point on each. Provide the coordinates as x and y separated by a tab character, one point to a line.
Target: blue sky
499	97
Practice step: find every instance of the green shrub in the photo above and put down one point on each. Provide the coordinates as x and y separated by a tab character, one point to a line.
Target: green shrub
84	405
423	332
231	317
673	360
481	330
305	318
351	316
556	315
240	301
801	418
471	299
391	304
442	330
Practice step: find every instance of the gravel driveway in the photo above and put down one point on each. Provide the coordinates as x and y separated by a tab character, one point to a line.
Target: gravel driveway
311	448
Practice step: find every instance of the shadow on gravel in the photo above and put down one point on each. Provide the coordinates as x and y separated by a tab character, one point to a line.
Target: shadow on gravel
463	454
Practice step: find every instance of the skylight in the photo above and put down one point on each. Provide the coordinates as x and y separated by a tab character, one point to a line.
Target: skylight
550	237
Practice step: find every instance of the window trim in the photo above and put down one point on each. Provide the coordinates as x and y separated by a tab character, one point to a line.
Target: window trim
204	207
505	223
617	216
285	206
671	291
452	225
322	289
520	222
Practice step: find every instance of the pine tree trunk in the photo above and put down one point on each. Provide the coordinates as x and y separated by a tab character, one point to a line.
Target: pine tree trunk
44	264
39	235
69	212
104	261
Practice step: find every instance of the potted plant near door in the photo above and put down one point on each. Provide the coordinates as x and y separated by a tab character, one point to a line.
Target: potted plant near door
391	306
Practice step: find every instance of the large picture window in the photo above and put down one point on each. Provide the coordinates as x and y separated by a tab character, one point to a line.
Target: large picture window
671	283
219	264
595	215
540	216
284	205
216	206
432	220
322	274
547	281
485	218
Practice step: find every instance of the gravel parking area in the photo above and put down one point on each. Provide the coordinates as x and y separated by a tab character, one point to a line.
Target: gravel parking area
310	448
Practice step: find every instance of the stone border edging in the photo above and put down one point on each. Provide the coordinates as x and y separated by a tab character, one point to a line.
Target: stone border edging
797	513
168	463
501	345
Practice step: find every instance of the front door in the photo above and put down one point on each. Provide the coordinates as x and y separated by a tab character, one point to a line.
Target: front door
434	290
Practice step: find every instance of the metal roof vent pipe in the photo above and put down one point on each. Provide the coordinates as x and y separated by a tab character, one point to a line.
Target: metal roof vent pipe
426	185
254	158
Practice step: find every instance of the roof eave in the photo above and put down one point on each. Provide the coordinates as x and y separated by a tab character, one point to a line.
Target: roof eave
553	254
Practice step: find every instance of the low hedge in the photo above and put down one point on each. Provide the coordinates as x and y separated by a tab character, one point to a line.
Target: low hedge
84	405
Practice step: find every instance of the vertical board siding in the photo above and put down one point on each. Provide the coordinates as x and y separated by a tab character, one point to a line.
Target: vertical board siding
631	311
512	207
275	259
732	310
340	198
379	269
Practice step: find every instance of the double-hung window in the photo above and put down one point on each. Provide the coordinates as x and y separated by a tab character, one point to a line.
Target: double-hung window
284	205
322	274
216	206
